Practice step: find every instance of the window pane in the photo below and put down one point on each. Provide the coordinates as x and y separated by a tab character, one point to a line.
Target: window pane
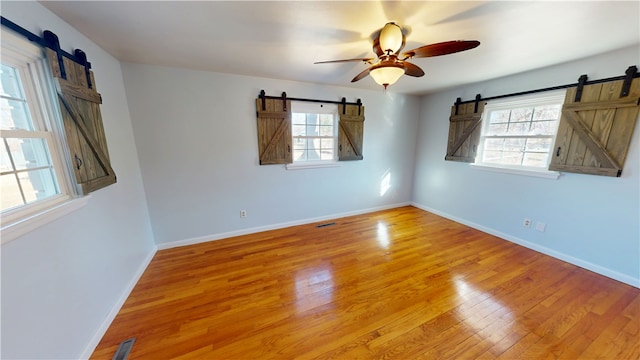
499	116
326	154
521	115
15	115
10	82
498	129
519	128
492	157
312	130
298	118
38	184
326	130
547	113
514	144
512	158
535	159
299	144
299	155
10	192
326	143
313	154
312	119
538	145
298	130
14	111
543	127
29	153
5	161
494	144
326	119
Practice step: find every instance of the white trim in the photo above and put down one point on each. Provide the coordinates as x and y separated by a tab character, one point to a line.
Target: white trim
535	99
312	165
91	347
219	236
554	97
15	230
542	173
615	275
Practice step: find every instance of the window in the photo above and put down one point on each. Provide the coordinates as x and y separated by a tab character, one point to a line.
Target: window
33	177
518	133
32	174
314	133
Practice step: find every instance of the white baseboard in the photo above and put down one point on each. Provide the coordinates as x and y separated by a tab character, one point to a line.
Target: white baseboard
541	249
91	347
225	235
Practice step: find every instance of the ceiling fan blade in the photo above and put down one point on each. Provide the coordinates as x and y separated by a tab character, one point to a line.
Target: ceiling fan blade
443	48
362	75
412	70
365	60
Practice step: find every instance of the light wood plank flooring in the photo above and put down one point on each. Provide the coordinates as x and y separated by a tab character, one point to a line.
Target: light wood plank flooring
396	284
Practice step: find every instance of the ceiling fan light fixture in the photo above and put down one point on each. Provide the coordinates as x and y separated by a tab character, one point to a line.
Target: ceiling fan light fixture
387	75
391	38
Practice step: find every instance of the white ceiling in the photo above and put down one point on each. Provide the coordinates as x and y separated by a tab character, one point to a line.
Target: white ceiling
282	39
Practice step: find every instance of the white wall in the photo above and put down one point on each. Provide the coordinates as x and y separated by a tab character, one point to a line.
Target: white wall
197	141
592	221
61	281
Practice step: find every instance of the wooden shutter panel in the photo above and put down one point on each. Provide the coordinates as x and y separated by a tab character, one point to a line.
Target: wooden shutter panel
80	110
350	132
274	131
594	133
464	132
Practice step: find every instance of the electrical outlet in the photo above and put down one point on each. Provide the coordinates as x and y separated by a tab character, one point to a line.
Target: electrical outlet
243	213
526	223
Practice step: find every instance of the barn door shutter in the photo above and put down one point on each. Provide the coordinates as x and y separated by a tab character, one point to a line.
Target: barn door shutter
80	109
274	131
464	132
350	132
596	128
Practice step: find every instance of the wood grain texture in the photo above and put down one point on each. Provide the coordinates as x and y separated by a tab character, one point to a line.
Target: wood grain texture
594	134
464	132
395	284
350	132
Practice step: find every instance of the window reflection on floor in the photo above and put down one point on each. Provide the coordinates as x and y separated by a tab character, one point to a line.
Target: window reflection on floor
383	235
486	316
314	287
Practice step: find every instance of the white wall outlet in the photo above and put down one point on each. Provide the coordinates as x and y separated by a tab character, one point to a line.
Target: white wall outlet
243	213
541	226
526	223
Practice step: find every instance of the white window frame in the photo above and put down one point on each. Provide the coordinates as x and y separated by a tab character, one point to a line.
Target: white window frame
29	59
555	97
316	108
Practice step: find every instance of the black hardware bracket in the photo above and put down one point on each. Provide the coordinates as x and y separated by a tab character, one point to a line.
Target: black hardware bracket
457	103
581	81
630	74
478	98
50	40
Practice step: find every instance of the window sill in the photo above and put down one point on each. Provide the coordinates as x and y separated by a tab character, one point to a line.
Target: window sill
312	165
21	227
524	172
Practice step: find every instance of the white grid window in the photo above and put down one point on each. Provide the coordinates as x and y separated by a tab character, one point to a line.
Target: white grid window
519	133
33	174
314	132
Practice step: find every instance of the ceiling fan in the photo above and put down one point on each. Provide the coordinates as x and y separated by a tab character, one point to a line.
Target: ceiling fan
390	64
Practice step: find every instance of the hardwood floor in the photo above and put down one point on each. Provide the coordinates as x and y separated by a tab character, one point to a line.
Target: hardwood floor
396	284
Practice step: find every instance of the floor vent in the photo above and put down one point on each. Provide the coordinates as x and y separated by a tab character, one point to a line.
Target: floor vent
124	349
327	224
